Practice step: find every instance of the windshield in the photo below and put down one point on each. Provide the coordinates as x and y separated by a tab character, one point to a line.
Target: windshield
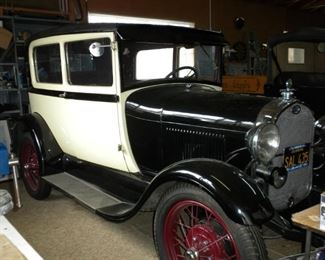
142	62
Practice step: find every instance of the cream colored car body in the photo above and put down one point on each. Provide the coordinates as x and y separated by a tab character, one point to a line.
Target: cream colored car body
90	131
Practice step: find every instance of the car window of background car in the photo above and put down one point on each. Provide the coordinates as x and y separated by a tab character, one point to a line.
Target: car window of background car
48	63
296	55
86	69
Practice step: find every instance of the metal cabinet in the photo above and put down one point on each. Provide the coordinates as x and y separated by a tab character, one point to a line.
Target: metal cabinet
14	77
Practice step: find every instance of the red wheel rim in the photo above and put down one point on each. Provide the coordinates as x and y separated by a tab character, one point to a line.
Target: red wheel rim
193	230
30	165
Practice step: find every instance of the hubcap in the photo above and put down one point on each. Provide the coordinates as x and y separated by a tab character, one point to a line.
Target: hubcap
191	254
194	231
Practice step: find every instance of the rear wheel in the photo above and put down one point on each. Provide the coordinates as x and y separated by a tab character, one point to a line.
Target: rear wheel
189	224
31	169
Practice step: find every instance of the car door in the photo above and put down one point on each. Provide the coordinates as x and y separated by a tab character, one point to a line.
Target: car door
81	104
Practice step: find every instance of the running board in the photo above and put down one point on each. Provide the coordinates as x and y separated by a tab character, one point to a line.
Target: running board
90	196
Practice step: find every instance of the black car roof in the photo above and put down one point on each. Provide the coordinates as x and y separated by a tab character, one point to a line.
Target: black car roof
308	34
141	32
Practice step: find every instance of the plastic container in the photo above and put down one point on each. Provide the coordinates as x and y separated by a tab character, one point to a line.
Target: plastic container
4	160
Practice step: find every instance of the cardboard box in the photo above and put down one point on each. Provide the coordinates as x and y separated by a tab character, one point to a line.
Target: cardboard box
322	211
244	84
5	38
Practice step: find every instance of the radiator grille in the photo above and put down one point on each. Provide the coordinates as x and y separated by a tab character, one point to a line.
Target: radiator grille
295	129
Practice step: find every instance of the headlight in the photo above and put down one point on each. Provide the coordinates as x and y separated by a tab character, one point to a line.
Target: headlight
263	142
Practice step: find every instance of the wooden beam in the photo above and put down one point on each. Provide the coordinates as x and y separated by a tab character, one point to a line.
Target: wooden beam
21	10
316	4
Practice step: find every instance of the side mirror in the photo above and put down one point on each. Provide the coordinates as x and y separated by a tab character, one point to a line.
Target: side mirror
97	49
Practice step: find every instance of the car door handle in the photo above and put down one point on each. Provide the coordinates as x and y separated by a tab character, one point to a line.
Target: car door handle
63	95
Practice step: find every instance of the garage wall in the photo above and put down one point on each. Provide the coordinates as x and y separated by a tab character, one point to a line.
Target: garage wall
257	17
263	19
297	19
196	11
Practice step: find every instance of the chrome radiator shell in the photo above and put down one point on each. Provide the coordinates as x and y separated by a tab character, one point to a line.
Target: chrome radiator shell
296	126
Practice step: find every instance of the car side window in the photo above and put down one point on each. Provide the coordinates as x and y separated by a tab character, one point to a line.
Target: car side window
85	69
48	63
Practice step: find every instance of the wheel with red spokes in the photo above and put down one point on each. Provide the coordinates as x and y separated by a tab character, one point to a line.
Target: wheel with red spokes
190	225
31	169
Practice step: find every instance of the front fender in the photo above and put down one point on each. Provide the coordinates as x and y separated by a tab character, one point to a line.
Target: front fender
237	194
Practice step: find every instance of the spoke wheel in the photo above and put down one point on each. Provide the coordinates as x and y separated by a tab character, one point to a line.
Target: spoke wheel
192	230
31	169
189	224
30	164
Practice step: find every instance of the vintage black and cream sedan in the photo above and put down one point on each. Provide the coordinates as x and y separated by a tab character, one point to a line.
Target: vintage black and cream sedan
131	117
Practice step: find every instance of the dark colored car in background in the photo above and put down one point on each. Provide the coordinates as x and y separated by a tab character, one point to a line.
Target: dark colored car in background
299	56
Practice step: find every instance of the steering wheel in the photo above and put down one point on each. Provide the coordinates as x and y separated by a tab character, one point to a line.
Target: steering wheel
192	69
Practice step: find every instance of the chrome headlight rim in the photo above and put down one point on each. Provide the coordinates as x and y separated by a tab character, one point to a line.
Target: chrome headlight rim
263	150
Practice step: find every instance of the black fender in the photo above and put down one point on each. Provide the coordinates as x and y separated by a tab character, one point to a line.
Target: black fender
238	195
50	152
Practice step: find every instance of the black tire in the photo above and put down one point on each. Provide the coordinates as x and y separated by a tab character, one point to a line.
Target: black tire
31	169
226	239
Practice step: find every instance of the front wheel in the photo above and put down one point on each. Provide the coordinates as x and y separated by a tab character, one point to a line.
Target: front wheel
189	224
31	169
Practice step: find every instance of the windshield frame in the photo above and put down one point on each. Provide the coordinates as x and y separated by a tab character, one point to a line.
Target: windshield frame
128	64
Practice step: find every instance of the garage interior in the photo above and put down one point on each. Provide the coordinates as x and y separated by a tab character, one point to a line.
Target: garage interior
60	228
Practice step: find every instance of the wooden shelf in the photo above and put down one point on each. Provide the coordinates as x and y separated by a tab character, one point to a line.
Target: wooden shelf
13	245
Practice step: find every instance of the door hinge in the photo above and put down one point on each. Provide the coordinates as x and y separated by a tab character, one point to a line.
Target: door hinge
120	148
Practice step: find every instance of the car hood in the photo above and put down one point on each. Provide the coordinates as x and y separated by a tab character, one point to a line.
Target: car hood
195	104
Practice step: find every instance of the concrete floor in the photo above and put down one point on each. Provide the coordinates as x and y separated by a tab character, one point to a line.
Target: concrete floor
59	228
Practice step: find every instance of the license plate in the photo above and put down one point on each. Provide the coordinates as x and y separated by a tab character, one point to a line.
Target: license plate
296	157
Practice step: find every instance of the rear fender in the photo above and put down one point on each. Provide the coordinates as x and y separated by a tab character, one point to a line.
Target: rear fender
49	151
238	195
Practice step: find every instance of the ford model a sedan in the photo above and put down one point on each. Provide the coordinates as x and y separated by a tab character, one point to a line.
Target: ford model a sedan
131	117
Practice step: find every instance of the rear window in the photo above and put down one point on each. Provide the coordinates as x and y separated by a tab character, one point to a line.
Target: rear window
48	63
86	69
296	56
